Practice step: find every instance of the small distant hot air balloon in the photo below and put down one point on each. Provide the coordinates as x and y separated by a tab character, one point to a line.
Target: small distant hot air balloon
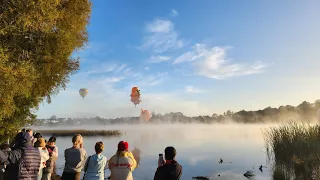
135	96
145	115
83	92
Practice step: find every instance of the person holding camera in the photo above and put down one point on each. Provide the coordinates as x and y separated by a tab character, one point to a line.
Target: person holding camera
169	169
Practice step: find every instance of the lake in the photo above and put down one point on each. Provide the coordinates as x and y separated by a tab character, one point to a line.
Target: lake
199	148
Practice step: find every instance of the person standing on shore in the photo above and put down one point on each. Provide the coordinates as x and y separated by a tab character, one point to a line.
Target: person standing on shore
171	169
41	145
5	148
51	162
23	162
96	164
75	159
123	163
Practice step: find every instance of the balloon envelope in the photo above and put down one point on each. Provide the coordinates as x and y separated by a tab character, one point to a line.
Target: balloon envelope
83	92
135	95
145	115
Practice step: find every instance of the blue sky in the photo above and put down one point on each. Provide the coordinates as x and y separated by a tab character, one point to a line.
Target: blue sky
194	57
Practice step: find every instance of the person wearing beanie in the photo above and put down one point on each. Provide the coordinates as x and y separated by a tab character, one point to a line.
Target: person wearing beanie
41	145
123	163
171	170
24	156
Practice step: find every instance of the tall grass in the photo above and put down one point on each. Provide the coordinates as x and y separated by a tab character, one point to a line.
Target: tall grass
80	131
295	147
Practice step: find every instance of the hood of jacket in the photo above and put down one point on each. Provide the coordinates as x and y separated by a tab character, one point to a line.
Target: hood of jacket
97	158
22	139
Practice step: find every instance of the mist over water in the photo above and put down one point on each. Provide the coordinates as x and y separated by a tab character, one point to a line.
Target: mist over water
199	148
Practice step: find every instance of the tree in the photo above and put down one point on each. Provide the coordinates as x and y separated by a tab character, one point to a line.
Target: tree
37	39
53	117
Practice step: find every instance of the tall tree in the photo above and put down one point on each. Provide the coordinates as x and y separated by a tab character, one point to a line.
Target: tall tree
37	39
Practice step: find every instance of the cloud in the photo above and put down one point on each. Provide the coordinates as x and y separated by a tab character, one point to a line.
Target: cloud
173	13
127	70
147	68
161	36
158	59
113	79
191	89
212	63
159	26
102	69
151	80
121	67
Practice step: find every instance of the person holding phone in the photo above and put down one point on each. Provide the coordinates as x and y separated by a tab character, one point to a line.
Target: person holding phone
75	159
169	169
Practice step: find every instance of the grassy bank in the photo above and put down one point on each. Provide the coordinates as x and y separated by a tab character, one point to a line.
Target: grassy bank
294	150
80	131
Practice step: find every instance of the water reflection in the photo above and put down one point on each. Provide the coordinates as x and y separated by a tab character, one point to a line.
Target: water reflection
199	149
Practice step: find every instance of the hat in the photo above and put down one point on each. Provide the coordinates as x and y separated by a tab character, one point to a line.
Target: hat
37	135
22	138
170	152
52	139
40	143
123	145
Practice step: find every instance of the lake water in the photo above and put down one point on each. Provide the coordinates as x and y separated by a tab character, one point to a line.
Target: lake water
199	148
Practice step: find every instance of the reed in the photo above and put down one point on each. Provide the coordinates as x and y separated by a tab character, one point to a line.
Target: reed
83	132
294	149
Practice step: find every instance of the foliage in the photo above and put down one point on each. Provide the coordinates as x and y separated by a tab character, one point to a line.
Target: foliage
37	39
294	148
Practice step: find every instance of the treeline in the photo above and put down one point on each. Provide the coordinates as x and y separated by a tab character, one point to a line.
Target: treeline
305	111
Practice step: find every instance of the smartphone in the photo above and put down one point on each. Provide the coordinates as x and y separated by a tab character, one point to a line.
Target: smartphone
160	155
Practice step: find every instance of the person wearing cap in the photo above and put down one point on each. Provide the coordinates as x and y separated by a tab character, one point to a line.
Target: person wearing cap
75	159
41	145
23	162
123	163
51	162
171	170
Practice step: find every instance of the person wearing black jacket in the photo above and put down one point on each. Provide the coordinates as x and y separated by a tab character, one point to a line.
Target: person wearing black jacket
171	170
23	162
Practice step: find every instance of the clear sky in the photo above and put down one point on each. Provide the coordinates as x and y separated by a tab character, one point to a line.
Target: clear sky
195	57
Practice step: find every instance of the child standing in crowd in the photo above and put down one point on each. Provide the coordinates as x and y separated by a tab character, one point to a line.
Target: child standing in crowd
51	162
96	164
41	145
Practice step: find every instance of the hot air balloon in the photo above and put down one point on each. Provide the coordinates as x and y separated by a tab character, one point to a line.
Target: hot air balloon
83	92
145	115
135	96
